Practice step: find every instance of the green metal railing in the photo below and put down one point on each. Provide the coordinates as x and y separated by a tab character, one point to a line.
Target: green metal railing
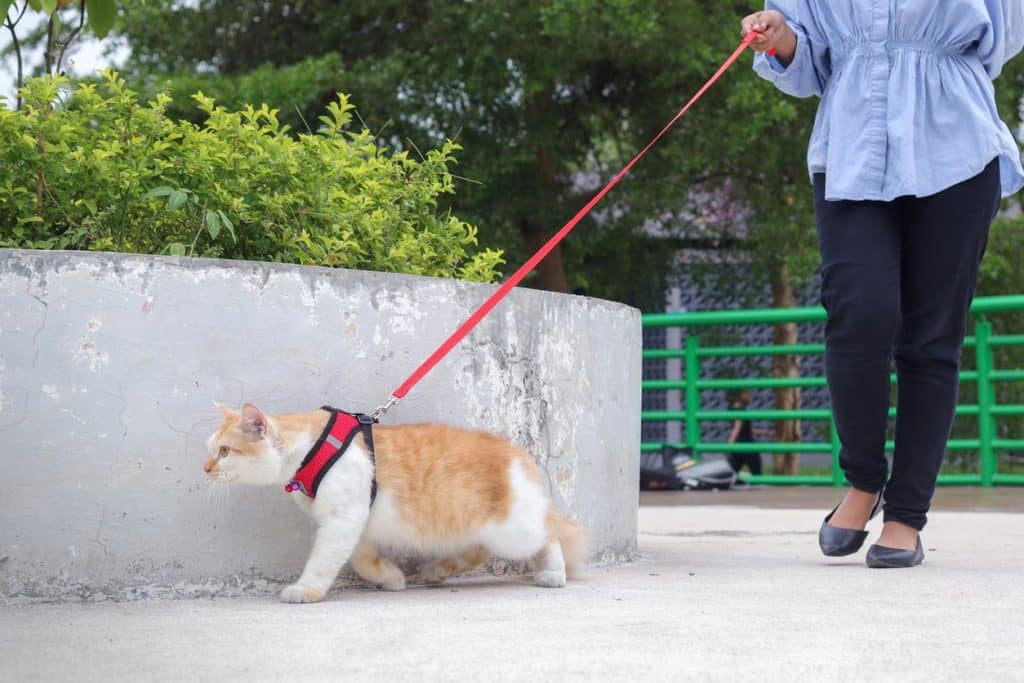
986	375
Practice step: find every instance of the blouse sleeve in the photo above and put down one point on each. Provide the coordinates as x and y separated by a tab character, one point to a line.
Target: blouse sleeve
811	67
1005	37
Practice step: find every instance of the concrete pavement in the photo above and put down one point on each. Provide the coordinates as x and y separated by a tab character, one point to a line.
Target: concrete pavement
719	592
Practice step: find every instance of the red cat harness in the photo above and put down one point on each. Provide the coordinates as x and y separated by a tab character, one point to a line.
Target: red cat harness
341	428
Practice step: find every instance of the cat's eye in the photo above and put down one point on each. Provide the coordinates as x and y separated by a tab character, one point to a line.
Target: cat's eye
223	452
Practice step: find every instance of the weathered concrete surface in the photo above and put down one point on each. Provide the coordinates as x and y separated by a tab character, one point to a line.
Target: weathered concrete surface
109	363
719	594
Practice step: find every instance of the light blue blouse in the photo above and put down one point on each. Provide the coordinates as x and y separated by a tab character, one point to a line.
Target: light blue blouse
907	101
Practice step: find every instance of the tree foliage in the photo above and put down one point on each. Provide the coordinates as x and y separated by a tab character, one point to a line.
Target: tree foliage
547	97
106	171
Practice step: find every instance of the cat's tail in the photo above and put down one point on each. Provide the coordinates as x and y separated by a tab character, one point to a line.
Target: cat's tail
574	544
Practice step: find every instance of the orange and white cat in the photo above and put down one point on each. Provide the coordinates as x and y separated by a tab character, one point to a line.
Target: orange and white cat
453	494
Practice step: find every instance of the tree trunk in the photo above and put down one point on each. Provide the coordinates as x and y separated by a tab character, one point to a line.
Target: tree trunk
787	431
550	271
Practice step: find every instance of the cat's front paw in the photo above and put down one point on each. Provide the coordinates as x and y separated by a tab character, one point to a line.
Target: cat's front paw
393	582
550	579
297	593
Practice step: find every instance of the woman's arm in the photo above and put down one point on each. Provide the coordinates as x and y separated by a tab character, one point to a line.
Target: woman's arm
735	431
1005	39
802	63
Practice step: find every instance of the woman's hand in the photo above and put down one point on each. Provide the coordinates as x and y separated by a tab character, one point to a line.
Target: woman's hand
773	34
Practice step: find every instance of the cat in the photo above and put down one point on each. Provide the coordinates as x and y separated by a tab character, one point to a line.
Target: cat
451	493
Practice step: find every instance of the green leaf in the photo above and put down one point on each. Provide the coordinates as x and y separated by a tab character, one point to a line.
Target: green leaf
227	224
177	198
35	4
91	205
176	249
212	224
48	6
161	191
4	6
101	15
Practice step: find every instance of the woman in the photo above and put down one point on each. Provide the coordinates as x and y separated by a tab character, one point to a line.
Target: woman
908	160
743	432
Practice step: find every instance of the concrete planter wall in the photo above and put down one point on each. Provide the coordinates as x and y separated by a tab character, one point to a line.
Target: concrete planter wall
109	364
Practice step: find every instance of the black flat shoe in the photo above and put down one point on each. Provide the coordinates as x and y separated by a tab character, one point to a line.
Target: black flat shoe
881	557
837	542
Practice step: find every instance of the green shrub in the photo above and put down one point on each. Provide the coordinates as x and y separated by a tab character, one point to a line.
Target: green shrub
300	90
104	171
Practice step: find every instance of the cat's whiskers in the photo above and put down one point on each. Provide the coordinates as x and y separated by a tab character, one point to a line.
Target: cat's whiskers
218	490
223	501
218	509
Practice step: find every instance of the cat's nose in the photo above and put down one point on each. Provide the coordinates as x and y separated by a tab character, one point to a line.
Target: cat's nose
209	465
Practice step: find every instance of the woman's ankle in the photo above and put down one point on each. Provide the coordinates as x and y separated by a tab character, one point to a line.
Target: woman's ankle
854	511
898	535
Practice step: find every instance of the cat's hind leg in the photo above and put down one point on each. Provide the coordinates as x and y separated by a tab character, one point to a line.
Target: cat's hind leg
376	569
525	532
438	570
550	566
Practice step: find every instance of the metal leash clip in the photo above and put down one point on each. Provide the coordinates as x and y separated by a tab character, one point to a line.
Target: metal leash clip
379	411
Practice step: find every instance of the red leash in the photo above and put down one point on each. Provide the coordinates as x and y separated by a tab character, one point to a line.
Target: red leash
507	286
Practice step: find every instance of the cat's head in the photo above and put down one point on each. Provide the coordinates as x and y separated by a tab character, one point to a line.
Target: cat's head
244	448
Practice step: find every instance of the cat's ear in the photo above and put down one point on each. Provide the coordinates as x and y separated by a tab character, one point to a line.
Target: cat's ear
224	410
254	422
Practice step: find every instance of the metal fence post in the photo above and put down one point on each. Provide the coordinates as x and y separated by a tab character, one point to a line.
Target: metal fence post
986	399
674	370
692	394
838	479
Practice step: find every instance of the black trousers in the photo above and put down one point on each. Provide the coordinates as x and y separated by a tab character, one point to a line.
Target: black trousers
897	281
751	460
